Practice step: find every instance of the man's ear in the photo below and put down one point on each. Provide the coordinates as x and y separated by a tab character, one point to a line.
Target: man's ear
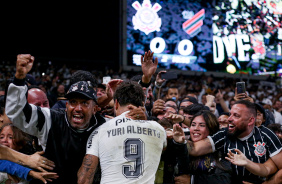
252	121
96	108
116	104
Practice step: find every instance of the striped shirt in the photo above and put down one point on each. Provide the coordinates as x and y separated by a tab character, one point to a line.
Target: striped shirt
258	146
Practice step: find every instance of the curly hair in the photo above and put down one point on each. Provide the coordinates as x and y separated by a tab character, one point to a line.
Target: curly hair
129	92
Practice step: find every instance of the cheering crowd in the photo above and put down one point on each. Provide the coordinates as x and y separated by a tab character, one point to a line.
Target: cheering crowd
248	17
63	125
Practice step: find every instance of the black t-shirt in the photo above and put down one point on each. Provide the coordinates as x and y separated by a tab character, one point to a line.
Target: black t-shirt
258	147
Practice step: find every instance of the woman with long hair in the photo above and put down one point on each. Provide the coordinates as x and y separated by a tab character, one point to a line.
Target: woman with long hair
18	140
211	168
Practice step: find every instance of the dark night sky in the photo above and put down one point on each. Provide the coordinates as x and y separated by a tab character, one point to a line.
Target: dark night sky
62	32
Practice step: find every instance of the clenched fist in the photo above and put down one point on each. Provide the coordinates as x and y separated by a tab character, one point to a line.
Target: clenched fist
24	65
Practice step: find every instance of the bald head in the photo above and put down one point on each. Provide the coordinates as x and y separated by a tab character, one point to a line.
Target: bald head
37	97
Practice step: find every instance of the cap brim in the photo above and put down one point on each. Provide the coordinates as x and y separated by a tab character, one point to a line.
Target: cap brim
76	94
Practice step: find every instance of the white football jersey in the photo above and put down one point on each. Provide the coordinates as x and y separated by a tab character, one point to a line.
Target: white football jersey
129	150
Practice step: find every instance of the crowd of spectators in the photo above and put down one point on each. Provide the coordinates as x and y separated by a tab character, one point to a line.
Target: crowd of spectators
54	80
200	105
248	17
168	101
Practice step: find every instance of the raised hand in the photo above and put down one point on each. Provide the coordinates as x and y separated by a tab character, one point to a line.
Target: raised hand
219	95
210	100
237	159
159	79
148	66
175	118
178	134
158	107
242	96
112	86
239	96
24	65
114	83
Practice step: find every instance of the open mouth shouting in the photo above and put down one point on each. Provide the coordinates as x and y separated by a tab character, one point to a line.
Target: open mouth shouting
78	118
231	127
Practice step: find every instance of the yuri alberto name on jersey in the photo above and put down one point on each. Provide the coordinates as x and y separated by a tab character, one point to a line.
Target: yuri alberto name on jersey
132	129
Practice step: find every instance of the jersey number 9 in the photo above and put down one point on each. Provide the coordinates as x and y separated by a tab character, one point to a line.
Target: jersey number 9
133	153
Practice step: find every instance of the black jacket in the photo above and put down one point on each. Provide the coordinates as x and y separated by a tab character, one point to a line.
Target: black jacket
64	145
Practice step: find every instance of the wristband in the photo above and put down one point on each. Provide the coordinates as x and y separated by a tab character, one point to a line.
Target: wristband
19	82
177	143
146	85
183	119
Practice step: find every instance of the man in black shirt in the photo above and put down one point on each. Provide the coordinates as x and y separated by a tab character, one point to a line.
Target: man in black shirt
257	143
63	133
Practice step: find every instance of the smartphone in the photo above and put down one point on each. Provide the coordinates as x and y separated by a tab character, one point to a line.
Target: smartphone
106	79
240	87
169	76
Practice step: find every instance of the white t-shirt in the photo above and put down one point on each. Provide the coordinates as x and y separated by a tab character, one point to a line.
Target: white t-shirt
129	150
278	117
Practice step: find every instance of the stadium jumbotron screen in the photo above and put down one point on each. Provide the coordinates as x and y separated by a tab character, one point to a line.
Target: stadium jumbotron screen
206	36
179	32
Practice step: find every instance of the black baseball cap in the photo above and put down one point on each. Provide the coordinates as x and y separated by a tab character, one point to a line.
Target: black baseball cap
30	79
260	108
190	99
82	88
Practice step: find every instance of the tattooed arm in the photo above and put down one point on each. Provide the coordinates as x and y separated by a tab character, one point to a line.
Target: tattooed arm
87	170
199	148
